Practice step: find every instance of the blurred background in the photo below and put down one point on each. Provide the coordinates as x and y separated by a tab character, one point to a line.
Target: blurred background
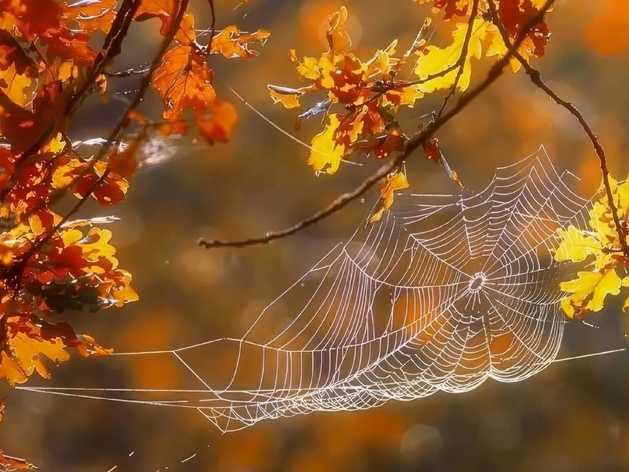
574	416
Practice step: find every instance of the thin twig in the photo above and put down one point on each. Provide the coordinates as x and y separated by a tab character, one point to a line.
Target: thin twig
126	72
536	78
413	144
460	63
212	26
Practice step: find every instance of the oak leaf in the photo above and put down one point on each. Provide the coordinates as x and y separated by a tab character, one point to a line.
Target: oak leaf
588	291
326	154
165	11
337	36
217	122
183	80
91	15
436	60
233	43
123	161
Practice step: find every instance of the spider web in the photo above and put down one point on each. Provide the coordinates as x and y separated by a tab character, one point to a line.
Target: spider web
441	294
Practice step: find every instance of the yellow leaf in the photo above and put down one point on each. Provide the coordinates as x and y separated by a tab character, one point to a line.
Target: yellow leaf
123	293
289	97
437	60
623	197
576	246
15	85
326	67
382	62
306	69
6	254
326	155
29	355
64	174
36	224
589	291
497	47
404	96
96	245
395	182
56	144
11	370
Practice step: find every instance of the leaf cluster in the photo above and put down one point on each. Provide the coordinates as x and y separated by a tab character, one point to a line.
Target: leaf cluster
54	55
600	246
362	97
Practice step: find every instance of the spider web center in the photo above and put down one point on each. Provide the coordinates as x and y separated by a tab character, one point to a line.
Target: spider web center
477	281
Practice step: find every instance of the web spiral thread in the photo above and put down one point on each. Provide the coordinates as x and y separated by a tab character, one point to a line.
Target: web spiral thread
441	294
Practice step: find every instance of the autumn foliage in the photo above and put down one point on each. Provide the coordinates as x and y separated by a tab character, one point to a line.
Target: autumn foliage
360	98
600	247
55	54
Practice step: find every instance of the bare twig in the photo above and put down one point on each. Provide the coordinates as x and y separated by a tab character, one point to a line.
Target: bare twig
413	144
536	78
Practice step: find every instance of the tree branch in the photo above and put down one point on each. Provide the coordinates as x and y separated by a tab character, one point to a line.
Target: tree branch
111	48
536	78
412	145
111	140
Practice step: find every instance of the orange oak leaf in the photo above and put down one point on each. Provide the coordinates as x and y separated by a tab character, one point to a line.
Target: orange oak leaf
33	19
232	43
91	15
24	125
111	190
27	356
217	122
183	80
124	162
337	36
165	11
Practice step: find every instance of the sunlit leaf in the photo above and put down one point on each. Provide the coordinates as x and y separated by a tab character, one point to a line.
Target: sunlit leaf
232	43
436	60
183	80
588	291
337	36
326	154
